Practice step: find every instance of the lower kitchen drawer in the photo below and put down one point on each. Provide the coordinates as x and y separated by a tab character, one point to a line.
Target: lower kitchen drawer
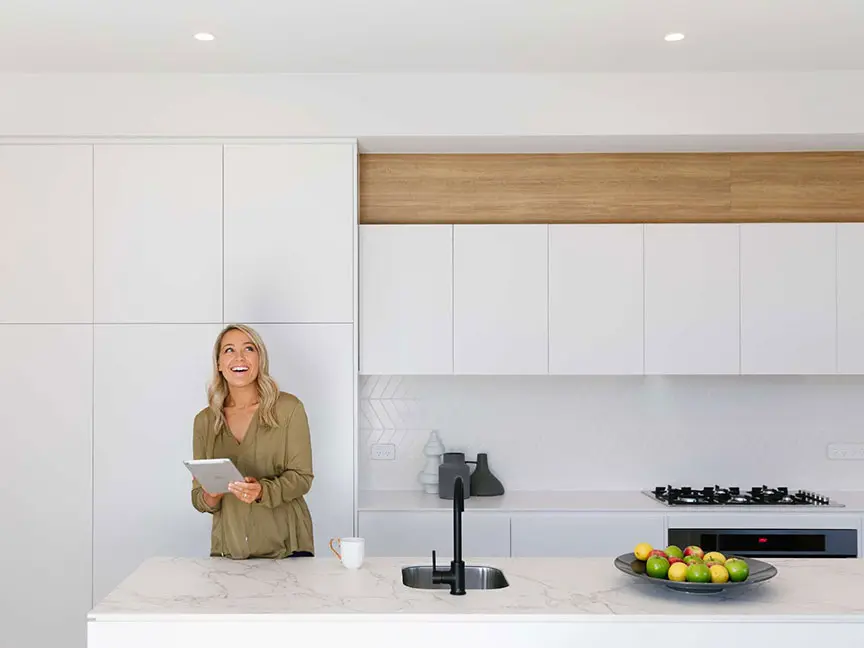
416	534
583	534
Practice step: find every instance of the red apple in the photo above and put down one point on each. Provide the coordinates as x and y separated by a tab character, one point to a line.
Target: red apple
674	559
693	550
658	552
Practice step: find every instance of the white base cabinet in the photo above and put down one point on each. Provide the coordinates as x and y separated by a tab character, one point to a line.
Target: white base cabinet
498	534
583	534
417	533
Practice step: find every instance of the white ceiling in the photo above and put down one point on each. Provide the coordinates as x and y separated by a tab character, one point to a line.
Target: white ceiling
321	36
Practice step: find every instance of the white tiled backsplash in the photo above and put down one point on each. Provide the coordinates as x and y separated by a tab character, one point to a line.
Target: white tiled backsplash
565	433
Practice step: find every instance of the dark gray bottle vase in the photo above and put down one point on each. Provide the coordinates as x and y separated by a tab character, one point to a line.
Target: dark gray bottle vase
483	482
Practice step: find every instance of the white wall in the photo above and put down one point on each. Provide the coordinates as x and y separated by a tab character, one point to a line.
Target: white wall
563	432
627	109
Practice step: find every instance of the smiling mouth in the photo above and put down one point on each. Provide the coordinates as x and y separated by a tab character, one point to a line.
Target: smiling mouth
239	370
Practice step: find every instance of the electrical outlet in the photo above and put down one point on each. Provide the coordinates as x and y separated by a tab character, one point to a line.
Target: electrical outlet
846	451
383	452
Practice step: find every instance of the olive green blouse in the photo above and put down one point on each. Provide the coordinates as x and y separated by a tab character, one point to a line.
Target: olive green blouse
280	458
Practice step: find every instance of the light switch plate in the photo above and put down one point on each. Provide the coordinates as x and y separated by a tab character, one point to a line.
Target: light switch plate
383	452
846	451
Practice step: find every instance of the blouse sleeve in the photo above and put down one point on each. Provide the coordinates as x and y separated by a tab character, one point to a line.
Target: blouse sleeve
296	480
198	452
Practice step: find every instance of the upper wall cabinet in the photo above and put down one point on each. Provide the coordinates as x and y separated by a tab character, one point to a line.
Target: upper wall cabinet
158	233
691	299
406	299
290	220
595	299
788	298
46	203
500	299
850	298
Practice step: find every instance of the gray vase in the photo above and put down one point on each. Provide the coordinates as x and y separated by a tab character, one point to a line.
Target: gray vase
452	466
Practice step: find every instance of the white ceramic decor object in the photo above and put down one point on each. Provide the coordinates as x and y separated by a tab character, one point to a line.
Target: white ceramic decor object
433	451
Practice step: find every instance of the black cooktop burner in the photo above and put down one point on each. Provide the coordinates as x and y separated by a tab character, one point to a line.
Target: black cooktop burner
733	495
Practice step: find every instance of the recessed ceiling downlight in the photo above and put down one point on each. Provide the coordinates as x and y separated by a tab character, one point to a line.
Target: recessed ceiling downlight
674	36
204	36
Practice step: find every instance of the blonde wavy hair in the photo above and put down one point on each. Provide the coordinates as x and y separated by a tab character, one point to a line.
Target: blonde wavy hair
268	390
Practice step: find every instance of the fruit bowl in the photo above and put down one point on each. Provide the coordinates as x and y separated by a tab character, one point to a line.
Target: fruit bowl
695	576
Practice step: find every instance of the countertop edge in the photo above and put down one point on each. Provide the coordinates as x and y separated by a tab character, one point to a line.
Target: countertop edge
607	501
527	617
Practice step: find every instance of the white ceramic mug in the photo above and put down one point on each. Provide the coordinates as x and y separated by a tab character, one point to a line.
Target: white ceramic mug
351	551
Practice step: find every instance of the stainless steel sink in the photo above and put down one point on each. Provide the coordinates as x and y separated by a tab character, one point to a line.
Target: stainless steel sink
476	578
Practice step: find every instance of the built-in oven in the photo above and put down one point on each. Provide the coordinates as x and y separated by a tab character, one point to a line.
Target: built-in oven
770	543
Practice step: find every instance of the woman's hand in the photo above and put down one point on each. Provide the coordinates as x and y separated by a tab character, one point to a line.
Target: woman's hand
211	500
247	491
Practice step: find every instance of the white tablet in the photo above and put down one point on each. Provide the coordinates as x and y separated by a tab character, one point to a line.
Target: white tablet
214	474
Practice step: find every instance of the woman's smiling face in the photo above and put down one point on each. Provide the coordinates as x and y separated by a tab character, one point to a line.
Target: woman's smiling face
238	359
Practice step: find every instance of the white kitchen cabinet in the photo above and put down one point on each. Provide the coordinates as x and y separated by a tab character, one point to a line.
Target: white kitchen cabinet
583	534
406	299
417	534
149	385
315	362
289	232
46	203
158	233
850	298
788	298
500	299
45	539
692	313
595	299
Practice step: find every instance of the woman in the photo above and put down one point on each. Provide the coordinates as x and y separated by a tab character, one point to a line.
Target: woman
265	433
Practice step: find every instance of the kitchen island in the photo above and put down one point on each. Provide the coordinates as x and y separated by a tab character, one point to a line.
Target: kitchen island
549	602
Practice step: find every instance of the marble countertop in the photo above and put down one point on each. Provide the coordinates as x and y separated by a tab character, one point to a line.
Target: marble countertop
555	589
629	501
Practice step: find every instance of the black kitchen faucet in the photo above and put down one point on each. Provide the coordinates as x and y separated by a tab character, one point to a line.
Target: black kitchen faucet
455	576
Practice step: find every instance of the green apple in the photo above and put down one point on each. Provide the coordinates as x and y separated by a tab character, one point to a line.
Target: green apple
657	567
738	570
672	550
698	573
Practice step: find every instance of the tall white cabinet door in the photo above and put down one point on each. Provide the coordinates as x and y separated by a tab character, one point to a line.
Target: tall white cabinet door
46	205
158	233
150	383
45	542
788	298
692	313
406	299
289	232
595	299
850	298
315	363
500	299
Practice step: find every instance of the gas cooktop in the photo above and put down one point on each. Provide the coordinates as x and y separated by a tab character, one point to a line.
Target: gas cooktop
736	496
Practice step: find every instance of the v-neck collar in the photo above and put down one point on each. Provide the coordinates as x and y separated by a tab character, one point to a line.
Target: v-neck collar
252	429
